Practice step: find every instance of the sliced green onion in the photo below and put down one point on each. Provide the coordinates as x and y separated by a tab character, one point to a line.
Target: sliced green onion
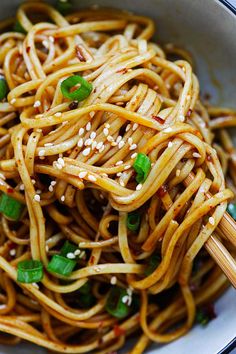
142	166
79	94
205	314
64	7
10	207
18	28
3	88
154	261
133	221
68	248
61	265
115	305
231	209
29	271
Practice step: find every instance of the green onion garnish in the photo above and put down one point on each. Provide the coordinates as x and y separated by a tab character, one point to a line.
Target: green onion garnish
116	304
64	7
68	248
133	221
231	209
10	207
29	271
61	265
3	88
154	261
142	166
205	314
18	28
79	94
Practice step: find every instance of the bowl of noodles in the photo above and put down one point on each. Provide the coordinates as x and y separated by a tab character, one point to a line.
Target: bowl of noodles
117	171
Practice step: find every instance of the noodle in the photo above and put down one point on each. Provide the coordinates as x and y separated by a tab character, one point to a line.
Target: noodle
71	165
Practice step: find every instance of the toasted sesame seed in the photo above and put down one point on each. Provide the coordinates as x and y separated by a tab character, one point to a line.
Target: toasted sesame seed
80	142
121	144
97	269
88	142
99	145
83	174
45	43
92	114
70	255
13	101
118	163
51	39
37	104
167	130
181	118
37	197
125	299
47	248
77	252
211	220
94	145
93	135
48	144
134	155
102	149
61	161
105	131
110	138
177	173
50	188
63	198
113	280
86	151
119	174
81	131
58	114
133	147
121	183
113	143
41	152
88	126
33	181
135	126
119	138
170	144
196	154
12	252
130	141
92	178
35	285
53	183
126	167
22	187
138	187
128	127
107	125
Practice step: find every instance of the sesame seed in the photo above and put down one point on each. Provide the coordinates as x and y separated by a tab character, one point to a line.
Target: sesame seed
138	187
113	143
65	123
167	130
80	142
99	145
86	152
125	299
92	178
97	269
88	126
128	127
81	131
102	148
22	187
47	248
170	144
119	174
37	197
133	147
177	173
51	39
41	152
110	138
45	43
82	174
35	285
196	154
93	135
119	138
33	181
122	183
130	291
2	176
77	252
53	183
48	144
105	131
211	221
58	114
88	142
118	163
134	155
13	101
126	167
121	144
94	145
135	126
113	280
130	141
63	198
70	255
181	118
50	188
92	114
12	252
107	125
61	161
37	104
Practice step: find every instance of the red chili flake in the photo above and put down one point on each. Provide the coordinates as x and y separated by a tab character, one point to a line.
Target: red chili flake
122	71
79	53
209	158
190	111
74	105
158	119
28	49
162	191
92	260
10	190
118	331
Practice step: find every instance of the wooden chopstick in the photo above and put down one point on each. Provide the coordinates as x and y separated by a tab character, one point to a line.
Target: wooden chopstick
215	248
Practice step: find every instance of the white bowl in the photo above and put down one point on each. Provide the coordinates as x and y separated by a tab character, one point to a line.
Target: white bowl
208	29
